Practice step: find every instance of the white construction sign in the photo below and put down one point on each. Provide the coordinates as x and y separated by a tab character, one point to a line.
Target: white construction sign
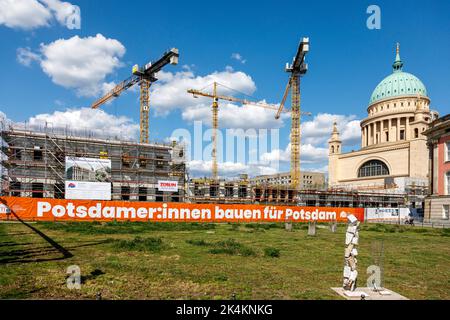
387	214
88	178
165	185
82	190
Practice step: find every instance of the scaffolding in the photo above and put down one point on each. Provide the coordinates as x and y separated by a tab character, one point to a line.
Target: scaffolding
244	192
33	162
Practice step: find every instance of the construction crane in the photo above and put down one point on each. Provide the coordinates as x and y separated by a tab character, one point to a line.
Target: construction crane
215	117
144	76
297	69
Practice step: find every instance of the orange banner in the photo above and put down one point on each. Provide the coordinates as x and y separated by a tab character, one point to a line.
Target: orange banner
32	209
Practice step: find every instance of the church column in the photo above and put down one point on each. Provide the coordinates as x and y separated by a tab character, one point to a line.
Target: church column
382	138
389	130
398	129
375	135
372	137
367	135
362	137
407	133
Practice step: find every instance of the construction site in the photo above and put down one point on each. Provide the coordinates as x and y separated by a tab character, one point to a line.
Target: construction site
34	163
35	158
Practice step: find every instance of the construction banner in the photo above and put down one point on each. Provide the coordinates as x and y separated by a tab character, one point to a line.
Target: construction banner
32	209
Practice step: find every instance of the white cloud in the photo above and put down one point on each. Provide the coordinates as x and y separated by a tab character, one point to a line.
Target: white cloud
238	57
32	14
65	13
308	154
318	130
233	116
170	93
199	168
315	136
78	63
25	56
96	121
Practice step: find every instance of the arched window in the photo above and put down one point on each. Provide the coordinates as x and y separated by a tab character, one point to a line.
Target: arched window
373	168
332	149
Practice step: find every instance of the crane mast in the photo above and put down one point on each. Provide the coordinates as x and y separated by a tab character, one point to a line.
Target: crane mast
215	117
144	76
297	69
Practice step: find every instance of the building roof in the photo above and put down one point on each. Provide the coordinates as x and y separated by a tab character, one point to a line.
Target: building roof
398	83
438	127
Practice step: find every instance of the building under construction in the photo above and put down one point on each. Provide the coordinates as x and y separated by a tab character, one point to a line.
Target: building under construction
248	191
33	163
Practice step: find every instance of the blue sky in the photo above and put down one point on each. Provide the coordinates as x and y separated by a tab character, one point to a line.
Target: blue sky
346	61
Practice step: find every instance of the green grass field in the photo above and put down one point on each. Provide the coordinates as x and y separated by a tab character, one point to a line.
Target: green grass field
213	261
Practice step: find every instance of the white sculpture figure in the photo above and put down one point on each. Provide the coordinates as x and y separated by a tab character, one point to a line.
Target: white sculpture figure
351	242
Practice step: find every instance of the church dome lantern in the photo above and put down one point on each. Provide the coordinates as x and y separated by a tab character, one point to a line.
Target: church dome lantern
398	84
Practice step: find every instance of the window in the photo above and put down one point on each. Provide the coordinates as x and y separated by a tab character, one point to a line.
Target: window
387	136
125	192
373	168
159	196
447	149
242	192
228	191
16	153
445	211
15	187
37	154
416	133
142	194
447	181
37	189
159	162
126	160
214	191
402	134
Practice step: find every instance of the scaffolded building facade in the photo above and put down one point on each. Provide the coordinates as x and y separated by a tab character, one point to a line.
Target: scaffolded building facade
33	163
244	191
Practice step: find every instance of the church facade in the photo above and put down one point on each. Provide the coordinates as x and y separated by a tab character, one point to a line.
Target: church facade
393	155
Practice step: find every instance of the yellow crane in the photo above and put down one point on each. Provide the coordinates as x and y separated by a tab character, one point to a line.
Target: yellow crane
215	117
297	69
143	76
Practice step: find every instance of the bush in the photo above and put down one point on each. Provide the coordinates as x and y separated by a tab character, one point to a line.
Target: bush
198	242
140	244
272	252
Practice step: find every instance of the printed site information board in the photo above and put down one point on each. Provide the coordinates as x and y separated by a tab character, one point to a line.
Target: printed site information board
89	210
88	179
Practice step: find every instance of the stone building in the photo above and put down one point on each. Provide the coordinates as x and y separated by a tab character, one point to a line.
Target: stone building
437	204
393	155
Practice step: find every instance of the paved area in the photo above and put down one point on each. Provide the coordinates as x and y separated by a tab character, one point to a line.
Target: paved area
384	294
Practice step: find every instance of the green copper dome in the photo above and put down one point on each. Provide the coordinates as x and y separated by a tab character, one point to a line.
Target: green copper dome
399	83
